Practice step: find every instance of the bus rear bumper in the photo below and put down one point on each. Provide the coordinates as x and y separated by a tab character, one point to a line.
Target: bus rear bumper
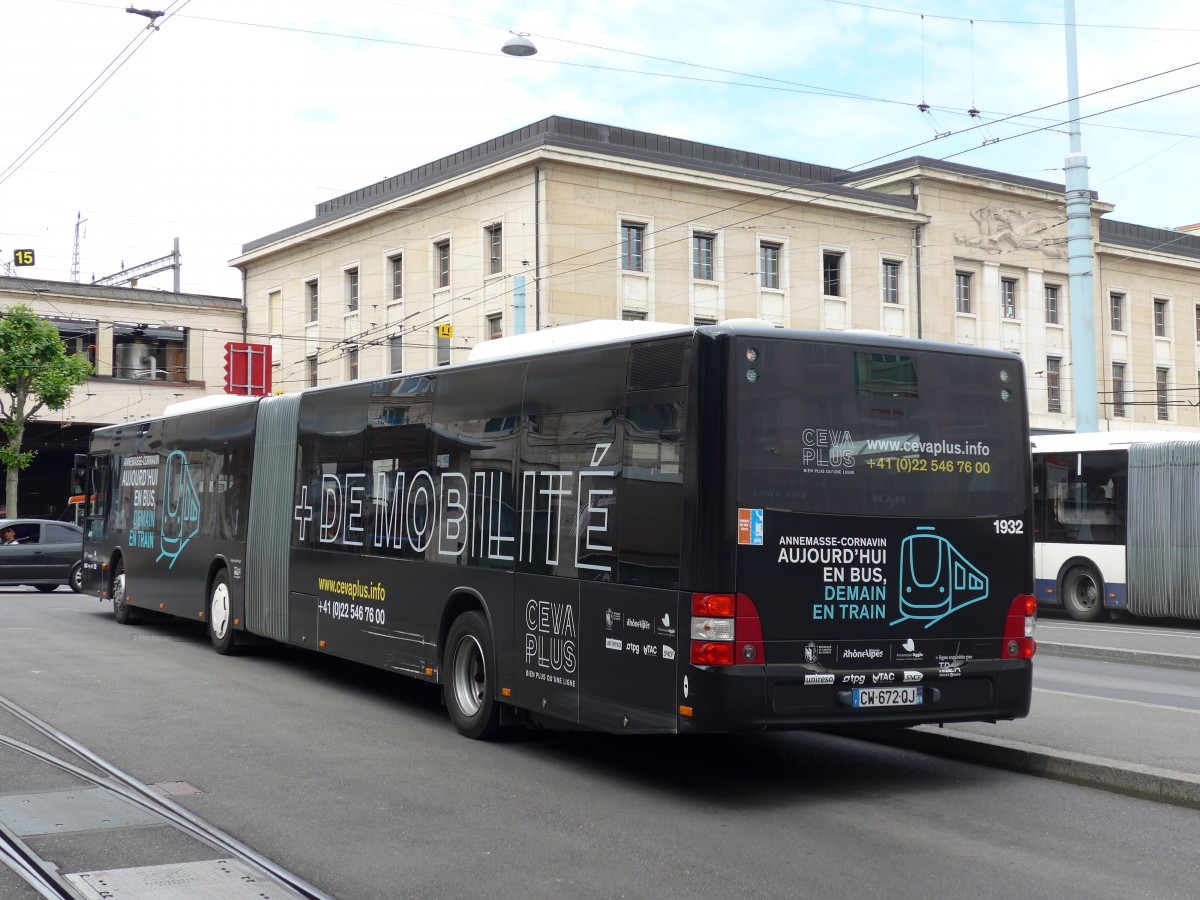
743	698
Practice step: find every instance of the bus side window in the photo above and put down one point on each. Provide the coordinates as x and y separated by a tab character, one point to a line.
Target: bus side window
651	498
398	447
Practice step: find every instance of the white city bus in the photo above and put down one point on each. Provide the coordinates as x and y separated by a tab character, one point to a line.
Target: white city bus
1117	523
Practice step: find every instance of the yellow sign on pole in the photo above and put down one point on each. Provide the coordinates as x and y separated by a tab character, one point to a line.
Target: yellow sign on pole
446	331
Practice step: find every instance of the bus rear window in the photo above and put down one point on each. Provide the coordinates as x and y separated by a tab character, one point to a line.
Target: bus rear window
885	374
837	429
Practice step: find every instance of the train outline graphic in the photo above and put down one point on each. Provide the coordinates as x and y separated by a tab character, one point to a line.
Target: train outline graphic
180	519
936	579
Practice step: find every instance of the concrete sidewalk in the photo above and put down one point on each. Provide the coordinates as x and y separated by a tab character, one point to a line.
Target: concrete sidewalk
1079	739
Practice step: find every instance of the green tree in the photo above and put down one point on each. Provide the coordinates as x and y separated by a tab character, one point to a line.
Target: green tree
36	372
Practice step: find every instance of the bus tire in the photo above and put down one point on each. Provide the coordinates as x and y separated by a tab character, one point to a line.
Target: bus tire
220	617
1083	594
122	611
470	669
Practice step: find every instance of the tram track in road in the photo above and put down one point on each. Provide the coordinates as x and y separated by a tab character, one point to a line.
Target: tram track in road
237	871
32	869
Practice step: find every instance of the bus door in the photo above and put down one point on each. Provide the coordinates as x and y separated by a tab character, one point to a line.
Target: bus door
95	473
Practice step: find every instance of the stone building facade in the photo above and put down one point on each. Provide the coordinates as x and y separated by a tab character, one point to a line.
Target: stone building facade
565	221
148	349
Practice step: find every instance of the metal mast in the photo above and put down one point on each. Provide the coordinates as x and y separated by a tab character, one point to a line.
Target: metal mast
79	223
1079	252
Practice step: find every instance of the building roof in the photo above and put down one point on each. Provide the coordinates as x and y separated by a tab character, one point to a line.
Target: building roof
607	140
1143	237
119	294
941	165
626	143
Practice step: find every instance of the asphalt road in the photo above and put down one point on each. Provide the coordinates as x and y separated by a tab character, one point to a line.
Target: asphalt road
356	781
1151	686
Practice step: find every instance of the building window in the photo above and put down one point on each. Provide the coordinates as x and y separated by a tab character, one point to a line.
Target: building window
702	256
891	281
352	290
632	315
1160	392
351	365
314	304
1053	394
1198	322
1051	291
396	353
80	337
495	246
1116	303
632	244
443	351
1118	390
704	320
962	292
312	371
149	352
396	265
441	252
1008	297
768	265
275	312
1160	317
495	326
831	274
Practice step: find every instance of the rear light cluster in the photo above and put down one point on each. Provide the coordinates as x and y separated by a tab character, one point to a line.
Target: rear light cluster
1018	629
726	631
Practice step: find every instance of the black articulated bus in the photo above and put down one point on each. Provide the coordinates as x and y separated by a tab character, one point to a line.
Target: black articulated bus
716	528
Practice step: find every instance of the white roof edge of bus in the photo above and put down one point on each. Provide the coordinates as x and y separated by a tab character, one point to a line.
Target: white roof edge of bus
209	401
597	331
1101	439
749	322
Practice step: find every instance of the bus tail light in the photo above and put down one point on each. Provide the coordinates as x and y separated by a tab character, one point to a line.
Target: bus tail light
1018	628
726	631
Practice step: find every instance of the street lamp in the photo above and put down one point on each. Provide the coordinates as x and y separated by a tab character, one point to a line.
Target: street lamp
519	45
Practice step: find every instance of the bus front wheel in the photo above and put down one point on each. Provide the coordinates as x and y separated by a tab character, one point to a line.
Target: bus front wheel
1083	595
122	611
220	617
470	672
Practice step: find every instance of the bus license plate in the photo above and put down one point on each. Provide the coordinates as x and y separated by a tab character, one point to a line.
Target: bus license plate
888	696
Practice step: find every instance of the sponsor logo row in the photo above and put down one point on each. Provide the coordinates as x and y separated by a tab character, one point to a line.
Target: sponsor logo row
614	620
860	678
908	652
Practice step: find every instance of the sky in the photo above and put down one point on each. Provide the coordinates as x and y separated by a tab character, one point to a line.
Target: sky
235	118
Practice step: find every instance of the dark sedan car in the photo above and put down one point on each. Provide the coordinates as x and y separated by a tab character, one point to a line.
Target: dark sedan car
42	553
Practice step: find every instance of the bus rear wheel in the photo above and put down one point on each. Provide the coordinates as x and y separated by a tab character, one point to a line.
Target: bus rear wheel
470	671
1083	594
220	617
122	611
